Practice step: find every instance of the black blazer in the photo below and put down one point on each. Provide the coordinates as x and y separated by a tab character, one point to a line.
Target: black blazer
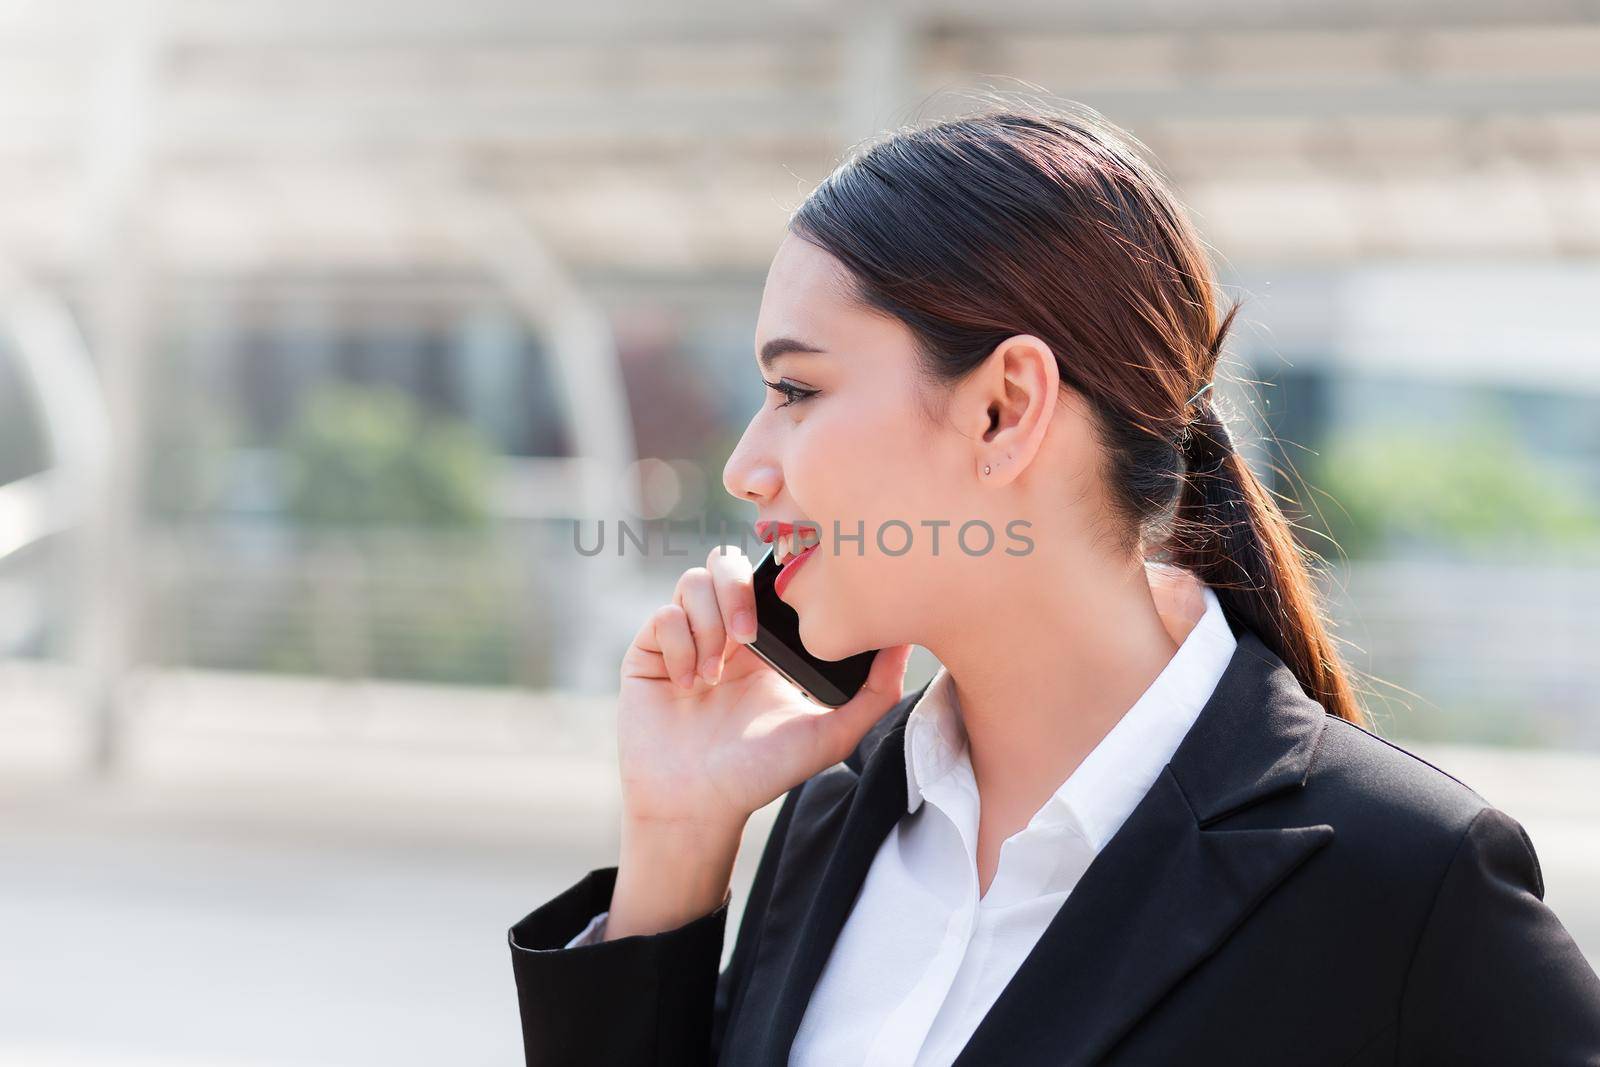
1293	889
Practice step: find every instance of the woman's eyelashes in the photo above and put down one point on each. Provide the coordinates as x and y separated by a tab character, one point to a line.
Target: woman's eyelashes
792	393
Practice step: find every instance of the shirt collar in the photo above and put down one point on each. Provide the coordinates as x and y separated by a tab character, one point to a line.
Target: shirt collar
1110	781
935	739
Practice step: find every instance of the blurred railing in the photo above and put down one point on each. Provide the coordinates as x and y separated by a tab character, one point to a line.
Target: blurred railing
1491	651
1496	651
401	604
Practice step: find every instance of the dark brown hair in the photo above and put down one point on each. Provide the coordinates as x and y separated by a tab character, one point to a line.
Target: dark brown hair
1045	220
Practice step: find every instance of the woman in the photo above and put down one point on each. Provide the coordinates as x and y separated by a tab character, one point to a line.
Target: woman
1188	849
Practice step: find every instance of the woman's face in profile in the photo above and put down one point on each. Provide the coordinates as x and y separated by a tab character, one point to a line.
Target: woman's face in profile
851	451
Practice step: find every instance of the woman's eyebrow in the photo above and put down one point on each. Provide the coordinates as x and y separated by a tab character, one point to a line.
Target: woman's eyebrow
781	346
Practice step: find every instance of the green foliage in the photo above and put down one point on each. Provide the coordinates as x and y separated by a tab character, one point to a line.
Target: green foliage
361	457
369	470
1471	488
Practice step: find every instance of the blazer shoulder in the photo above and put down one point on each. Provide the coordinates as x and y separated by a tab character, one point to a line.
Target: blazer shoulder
1368	777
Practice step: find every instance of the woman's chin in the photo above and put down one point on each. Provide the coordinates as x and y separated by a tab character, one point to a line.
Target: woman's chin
824	639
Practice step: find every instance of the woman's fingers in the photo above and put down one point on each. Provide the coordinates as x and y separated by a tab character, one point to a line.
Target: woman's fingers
648	655
712	612
698	598
733	578
672	636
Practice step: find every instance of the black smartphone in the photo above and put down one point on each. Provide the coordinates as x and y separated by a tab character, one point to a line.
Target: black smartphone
830	682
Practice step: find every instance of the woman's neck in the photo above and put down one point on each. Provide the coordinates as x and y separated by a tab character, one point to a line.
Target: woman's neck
1044	673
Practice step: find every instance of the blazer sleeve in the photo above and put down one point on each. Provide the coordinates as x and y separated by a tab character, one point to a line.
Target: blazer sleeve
654	999
1495	977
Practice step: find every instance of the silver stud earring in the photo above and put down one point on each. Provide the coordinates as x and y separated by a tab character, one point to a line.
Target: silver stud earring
986	468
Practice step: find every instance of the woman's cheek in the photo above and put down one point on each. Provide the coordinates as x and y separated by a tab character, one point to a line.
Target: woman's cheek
822	479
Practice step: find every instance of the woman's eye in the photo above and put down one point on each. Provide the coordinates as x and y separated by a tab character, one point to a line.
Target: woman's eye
791	393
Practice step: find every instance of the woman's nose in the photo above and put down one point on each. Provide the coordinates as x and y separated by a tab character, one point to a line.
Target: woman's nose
750	476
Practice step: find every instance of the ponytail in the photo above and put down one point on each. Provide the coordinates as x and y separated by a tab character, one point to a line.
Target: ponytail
1231	533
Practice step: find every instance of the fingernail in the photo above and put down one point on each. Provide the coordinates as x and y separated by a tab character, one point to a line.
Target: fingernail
711	668
686	681
744	626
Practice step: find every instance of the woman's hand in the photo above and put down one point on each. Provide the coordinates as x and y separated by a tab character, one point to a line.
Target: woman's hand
707	733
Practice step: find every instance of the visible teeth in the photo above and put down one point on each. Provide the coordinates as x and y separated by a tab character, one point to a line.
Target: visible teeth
793	543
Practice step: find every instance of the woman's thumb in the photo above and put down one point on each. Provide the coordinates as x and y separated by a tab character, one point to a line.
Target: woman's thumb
845	726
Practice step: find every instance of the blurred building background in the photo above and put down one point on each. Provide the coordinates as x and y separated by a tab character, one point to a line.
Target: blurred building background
322	325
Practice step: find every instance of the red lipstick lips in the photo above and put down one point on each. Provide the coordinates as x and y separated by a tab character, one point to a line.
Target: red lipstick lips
769	530
786	575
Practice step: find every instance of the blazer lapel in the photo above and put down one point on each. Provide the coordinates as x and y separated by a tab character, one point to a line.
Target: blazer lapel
1169	887
872	806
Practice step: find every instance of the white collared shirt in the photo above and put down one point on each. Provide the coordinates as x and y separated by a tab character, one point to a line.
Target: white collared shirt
921	957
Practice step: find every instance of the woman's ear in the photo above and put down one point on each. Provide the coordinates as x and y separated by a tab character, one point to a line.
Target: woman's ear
1017	389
